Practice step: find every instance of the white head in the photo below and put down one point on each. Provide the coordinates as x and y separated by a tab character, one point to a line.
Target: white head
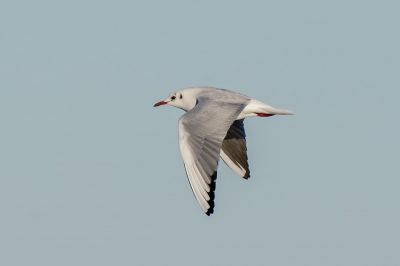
184	99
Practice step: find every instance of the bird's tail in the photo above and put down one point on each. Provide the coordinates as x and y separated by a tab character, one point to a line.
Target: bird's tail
262	108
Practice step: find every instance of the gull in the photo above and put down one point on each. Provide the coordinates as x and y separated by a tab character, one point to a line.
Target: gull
212	127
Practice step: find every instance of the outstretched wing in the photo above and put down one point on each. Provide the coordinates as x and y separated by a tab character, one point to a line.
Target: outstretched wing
234	150
201	133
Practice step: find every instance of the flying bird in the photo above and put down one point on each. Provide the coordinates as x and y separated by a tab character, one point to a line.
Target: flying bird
212	127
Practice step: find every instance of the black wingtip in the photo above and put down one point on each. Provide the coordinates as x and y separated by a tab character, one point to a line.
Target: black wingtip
212	194
212	205
247	175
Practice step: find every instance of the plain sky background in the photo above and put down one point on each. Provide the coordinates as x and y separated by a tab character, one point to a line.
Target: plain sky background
91	174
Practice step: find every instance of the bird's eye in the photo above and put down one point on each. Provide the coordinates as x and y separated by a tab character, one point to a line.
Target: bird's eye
173	98
180	97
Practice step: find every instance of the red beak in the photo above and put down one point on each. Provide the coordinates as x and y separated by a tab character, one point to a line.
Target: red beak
159	103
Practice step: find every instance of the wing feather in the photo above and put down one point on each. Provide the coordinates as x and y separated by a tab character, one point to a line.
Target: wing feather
201	133
234	149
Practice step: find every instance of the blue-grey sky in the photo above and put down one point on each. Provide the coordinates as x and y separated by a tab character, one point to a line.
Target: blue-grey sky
90	172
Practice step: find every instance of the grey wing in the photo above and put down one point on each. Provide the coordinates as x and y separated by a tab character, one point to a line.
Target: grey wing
201	133
234	149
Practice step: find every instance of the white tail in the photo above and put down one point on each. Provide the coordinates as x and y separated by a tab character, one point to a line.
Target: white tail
255	108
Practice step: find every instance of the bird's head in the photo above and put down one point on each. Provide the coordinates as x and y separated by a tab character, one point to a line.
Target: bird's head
180	99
